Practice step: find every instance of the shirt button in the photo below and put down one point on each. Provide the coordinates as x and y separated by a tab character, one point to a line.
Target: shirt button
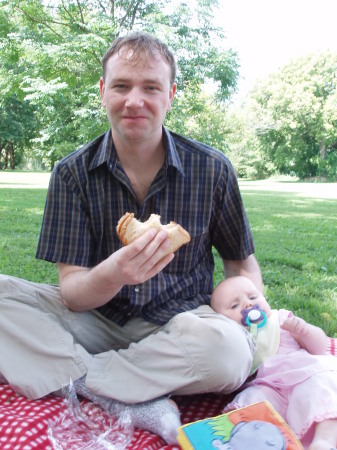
137	290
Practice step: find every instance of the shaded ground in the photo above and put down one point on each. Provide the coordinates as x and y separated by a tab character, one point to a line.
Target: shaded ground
40	180
32	180
316	190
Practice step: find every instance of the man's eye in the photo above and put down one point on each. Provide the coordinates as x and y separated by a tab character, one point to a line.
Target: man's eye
151	88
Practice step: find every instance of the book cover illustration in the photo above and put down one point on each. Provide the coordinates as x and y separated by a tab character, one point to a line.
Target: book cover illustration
255	427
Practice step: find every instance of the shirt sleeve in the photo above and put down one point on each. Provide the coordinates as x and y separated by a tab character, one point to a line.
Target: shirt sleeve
230	229
65	233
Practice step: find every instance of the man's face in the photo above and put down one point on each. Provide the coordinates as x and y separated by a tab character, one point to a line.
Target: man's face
136	95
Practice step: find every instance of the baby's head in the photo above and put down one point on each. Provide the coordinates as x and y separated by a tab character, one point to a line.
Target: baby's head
235	294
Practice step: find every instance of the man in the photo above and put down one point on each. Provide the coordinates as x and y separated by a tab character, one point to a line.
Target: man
126	323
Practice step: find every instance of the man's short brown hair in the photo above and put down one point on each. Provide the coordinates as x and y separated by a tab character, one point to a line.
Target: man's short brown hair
141	44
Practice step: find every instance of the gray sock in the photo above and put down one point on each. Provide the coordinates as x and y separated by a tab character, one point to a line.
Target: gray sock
158	416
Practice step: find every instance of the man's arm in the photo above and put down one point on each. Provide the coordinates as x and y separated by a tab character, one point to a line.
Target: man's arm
246	267
85	288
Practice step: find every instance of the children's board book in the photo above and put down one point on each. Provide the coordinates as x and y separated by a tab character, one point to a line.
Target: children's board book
255	427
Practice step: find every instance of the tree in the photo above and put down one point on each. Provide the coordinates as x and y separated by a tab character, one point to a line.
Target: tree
17	126
17	130
296	110
201	117
245	149
53	51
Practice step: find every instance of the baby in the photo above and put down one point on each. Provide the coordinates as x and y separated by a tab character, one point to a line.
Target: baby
296	371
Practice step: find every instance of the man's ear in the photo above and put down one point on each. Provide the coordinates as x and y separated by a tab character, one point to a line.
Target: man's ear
102	90
172	93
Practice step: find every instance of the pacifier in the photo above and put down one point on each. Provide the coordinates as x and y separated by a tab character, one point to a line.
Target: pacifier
253	316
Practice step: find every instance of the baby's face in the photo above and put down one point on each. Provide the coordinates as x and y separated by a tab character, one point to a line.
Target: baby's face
236	294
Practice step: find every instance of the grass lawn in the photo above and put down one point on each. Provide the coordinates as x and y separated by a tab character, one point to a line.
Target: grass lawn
295	240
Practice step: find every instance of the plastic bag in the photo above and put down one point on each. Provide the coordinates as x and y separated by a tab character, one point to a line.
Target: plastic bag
88	427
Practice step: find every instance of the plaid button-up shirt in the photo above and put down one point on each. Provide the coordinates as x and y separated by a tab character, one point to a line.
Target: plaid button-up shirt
197	188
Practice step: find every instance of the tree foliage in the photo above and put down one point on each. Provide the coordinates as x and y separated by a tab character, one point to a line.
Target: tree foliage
296	115
50	52
245	149
50	63
17	131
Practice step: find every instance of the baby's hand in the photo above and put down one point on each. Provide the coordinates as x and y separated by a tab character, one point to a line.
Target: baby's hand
295	325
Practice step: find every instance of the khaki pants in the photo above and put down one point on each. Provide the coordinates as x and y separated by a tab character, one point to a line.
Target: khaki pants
43	345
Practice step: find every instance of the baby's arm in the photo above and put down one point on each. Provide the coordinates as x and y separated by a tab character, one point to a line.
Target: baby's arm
310	337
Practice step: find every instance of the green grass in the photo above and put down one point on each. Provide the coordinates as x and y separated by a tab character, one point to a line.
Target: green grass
21	212
295	241
295	245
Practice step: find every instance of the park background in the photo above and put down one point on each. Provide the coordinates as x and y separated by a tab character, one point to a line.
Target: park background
284	127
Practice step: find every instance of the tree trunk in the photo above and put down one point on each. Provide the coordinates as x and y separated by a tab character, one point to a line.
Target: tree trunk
322	149
1	154
10	150
6	157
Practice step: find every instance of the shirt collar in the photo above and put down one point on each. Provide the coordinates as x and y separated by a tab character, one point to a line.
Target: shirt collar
106	152
172	158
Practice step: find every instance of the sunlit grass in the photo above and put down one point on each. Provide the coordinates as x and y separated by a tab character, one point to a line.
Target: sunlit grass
296	247
295	241
21	212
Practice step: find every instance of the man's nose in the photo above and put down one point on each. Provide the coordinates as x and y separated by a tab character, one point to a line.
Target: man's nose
134	98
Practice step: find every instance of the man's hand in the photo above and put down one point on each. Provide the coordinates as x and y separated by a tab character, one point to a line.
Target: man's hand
85	288
246	268
142	259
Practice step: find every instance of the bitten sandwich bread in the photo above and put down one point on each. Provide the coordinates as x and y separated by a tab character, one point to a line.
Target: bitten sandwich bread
129	229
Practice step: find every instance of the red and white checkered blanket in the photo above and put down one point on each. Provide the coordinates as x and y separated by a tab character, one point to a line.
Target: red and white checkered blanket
24	423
